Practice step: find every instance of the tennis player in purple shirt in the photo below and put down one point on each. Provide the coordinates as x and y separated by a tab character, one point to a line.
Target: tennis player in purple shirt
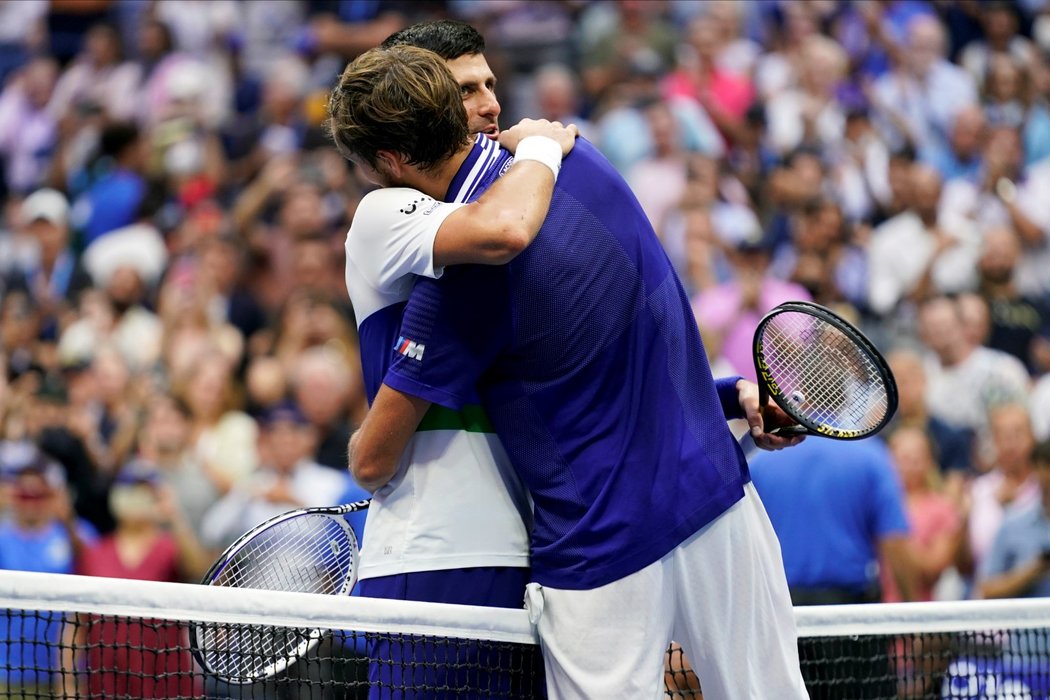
588	361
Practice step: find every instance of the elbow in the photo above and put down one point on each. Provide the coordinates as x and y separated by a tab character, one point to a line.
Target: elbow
369	472
369	475
512	240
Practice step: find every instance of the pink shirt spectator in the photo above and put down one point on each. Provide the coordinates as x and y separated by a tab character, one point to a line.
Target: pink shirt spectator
930	515
142	658
733	93
719	310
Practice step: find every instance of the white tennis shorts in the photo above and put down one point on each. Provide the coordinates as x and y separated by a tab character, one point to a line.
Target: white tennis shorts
721	594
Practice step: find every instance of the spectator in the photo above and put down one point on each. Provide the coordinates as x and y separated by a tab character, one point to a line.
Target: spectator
1018	563
724	96
659	180
637	38
164	441
999	21
810	113
861	169
933	517
1009	194
918	99
100	78
960	157
287	478
28	130
55	277
42	535
952	446
1011	99
223	437
838	509
733	310
1008	487
557	97
113	200
942	253
152	542
1016	318
965	380
323	386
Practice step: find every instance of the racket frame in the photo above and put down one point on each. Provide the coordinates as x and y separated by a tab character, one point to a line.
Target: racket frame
767	384
311	636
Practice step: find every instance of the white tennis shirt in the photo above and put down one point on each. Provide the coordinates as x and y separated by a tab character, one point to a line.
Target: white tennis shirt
455	501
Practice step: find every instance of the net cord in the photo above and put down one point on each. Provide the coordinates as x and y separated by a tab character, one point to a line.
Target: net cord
914	618
21	590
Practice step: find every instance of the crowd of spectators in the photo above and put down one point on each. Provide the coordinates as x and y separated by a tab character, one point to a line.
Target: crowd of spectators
176	343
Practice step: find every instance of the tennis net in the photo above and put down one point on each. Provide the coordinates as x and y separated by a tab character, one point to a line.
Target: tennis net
78	637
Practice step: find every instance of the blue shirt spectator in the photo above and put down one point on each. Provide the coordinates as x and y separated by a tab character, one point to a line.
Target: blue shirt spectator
1018	563
831	504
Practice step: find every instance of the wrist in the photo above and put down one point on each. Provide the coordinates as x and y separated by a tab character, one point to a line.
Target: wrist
541	149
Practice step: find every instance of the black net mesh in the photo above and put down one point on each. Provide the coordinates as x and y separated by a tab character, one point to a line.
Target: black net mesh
53	655
996	665
59	655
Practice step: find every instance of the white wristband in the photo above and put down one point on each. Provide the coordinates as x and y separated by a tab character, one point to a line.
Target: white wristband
542	149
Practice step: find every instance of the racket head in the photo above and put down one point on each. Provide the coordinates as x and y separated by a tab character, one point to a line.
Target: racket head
823	373
307	551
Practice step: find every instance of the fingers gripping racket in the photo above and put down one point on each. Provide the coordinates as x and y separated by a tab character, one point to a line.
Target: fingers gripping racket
310	550
823	373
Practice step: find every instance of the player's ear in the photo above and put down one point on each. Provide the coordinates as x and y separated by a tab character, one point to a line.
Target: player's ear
390	162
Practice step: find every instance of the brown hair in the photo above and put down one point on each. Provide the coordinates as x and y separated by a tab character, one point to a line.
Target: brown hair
401	99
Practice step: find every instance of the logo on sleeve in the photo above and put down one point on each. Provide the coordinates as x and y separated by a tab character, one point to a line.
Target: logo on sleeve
409	348
411	207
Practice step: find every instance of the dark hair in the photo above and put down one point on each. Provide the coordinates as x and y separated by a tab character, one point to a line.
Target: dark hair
402	99
1041	453
116	138
445	37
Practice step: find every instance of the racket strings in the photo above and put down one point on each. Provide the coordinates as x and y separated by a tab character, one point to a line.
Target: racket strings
309	553
823	375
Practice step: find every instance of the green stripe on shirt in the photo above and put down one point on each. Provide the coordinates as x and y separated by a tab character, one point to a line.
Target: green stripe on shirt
471	419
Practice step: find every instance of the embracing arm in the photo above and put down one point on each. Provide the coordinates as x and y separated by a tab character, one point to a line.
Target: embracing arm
505	220
376	448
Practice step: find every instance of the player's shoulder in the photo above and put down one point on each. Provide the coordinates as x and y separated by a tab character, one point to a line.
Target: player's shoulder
389	201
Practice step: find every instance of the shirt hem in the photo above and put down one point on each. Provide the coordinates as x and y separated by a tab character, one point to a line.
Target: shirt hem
442	564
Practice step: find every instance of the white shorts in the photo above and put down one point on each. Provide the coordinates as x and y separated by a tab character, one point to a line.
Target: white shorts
722	594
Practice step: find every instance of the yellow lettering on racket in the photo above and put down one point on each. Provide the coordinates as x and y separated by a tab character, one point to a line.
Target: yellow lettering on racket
839	432
767	378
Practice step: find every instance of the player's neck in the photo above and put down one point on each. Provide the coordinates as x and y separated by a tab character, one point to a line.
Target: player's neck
435	181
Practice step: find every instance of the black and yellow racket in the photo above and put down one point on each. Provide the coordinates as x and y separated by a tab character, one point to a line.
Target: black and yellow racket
823	373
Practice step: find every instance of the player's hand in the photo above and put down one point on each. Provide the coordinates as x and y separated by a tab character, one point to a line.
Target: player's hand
564	135
759	421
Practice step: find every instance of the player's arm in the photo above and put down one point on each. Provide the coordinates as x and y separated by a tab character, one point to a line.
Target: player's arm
505	220
375	448
399	231
457	325
507	217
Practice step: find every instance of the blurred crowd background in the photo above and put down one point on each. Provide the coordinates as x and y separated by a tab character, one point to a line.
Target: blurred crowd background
178	357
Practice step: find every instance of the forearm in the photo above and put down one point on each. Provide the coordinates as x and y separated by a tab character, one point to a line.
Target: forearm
502	223
897	554
1012	584
375	450
1030	233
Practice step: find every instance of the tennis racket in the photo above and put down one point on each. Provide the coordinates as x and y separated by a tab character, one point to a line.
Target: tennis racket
310	550
823	373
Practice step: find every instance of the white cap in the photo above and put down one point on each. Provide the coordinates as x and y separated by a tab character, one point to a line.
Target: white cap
139	246
50	205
